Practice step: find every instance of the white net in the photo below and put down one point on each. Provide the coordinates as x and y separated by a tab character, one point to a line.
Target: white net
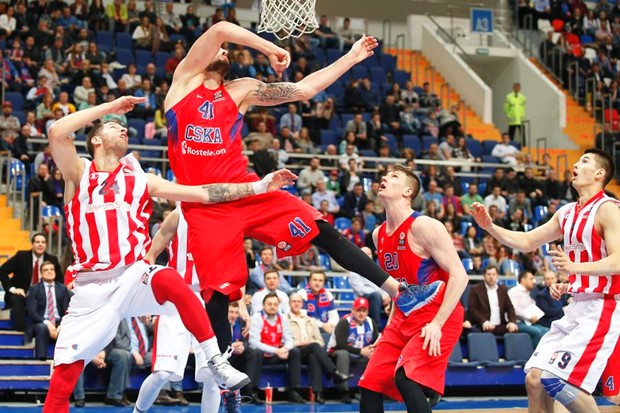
287	18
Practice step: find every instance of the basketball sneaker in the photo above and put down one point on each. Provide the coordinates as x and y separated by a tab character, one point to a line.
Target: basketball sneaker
225	375
412	297
232	401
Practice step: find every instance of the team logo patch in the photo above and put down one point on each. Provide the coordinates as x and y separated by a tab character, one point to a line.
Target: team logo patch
218	96
284	246
224	285
74	346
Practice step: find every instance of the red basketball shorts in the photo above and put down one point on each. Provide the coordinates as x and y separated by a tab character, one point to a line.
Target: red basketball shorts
216	232
401	346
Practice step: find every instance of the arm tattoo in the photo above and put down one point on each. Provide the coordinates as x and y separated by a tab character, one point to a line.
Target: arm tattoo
227	192
276	92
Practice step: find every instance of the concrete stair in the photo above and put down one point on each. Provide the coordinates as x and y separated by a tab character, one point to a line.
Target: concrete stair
12	238
415	62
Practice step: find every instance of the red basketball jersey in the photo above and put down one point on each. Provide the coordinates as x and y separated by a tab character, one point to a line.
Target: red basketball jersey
108	217
583	244
204	139
397	259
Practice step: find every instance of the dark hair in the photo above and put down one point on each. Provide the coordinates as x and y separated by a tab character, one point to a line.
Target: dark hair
233	304
523	275
271	270
90	148
36	235
265	248
48	263
415	181
491	267
318	272
604	161
270	295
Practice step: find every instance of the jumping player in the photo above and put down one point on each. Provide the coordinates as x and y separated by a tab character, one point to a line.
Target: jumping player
107	204
570	358
204	117
412	353
172	340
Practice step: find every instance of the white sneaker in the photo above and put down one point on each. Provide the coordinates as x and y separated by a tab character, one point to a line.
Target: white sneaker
225	375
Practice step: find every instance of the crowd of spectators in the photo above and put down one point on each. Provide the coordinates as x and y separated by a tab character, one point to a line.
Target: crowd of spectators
55	61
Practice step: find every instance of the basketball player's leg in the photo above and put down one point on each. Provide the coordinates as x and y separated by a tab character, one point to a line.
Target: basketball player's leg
537	398
611	377
62	383
412	393
217	309
211	397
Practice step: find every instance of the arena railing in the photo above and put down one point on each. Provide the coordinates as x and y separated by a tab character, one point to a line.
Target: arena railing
5	167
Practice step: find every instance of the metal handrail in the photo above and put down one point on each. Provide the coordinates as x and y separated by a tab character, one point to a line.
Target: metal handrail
557	162
573	88
526	138
400	37
443	87
387	23
5	159
590	88
432	77
31	222
544	142
50	234
463	106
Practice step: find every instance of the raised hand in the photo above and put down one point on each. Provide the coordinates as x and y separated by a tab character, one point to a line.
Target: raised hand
481	215
279	59
363	48
126	104
561	261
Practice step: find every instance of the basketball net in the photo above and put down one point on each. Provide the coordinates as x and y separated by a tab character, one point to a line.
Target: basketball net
287	18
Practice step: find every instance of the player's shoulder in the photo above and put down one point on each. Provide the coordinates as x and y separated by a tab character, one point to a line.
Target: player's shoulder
609	209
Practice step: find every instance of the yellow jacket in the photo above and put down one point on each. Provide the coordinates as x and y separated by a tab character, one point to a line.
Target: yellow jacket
110	11
514	108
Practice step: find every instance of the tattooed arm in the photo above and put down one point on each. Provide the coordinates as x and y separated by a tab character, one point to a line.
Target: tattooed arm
248	92
215	193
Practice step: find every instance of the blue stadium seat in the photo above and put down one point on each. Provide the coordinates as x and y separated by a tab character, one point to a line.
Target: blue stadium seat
368	152
483	349
519	347
105	41
342	223
80	137
456	359
143	58
539	213
344	118
161	58
175	38
138	125
413	142
482	187
586	39
465	297
488	145
324	261
388	62
124	56
392	143
464	186
359	72
464	226
401	77
510	267
291	189
319	56
329	137
49	211
427	140
124	41
334	122
340	281
16	98
372	61
20	115
170	175
336	89
475	147
377	75
468	264
488	159
333	55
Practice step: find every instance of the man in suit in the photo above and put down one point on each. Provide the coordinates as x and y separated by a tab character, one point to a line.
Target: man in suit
25	267
489	305
243	357
47	302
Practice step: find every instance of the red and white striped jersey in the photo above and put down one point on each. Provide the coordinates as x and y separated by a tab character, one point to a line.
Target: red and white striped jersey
178	256
108	217
583	244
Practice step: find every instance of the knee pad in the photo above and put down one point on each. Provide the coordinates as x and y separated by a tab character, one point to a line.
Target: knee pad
558	389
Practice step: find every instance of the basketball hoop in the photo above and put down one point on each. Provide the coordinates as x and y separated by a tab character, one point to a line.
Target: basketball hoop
287	18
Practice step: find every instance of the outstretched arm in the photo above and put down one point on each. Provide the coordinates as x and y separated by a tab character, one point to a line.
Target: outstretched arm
521	241
163	237
215	193
263	94
62	148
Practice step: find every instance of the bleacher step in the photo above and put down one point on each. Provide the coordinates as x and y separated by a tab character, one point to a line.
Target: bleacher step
16	352
24	382
25	368
11	338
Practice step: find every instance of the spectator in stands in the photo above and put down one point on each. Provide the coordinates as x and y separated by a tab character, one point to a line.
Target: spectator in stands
271	282
323	194
31	122
356	233
496	198
514	108
173	61
477	267
64	104
333	182
9	123
319	302
345	35
146	108
532	188
58	184
523	202
352	342
469	198
171	20
97	18
497	179
47	302
373	195
358	127
377	298
369	97
432	194
327	38
116	13
191	24
490	308
447	147
472	244
132	79
148	12
81	92
22	20
511	184
44	110
270	333
24	267
8	24
390	115
140	344
505	151
553	309
291	120
257	273
527	312
350	153
117	354
568	193
409	123
36	92
145	36
310	175
243	358
428	99
354	201
551	187
305	143
22	148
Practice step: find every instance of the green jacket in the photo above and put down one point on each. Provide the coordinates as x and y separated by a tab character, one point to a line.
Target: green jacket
514	108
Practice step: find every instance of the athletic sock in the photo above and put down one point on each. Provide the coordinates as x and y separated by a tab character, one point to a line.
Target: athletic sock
167	285
150	389
64	379
217	309
347	254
